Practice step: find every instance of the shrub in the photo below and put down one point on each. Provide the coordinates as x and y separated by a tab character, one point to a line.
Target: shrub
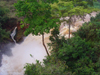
96	4
80	55
3	34
50	67
91	30
3	19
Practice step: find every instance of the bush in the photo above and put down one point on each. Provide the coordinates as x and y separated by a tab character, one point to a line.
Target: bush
3	34
81	54
3	19
96	4
91	30
50	67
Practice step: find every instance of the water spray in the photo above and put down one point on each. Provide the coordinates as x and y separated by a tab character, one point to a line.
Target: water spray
13	34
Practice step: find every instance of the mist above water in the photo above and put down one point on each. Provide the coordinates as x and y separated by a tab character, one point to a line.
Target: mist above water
32	45
14	64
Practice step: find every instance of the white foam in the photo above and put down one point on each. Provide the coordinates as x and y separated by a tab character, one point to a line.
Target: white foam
21	55
13	65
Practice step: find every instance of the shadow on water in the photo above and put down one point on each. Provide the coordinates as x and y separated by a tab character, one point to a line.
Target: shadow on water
6	50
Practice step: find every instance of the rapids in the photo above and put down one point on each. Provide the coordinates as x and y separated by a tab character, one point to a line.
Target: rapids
32	45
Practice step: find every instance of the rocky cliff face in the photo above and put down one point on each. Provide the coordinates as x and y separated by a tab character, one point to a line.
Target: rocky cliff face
11	24
20	32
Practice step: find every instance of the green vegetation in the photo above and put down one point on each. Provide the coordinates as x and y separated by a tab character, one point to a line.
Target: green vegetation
81	52
3	19
78	55
38	15
71	8
52	68
9	21
8	5
96	5
90	31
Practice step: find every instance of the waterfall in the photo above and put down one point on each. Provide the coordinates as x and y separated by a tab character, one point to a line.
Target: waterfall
30	50
32	45
13	34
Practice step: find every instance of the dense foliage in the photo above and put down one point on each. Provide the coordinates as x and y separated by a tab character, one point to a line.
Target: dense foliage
79	55
52	67
71	8
3	19
96	5
91	30
81	52
36	13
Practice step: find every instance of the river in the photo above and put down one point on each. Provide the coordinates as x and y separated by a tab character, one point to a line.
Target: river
17	55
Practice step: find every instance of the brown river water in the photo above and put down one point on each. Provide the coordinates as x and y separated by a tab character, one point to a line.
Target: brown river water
13	65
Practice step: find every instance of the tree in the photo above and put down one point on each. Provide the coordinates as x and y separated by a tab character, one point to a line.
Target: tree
72	8
91	30
52	67
38	15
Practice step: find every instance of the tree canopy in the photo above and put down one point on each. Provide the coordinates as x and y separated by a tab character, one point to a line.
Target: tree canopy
78	55
37	14
71	8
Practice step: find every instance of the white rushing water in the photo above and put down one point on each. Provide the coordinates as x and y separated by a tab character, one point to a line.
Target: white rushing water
21	55
13	34
14	64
